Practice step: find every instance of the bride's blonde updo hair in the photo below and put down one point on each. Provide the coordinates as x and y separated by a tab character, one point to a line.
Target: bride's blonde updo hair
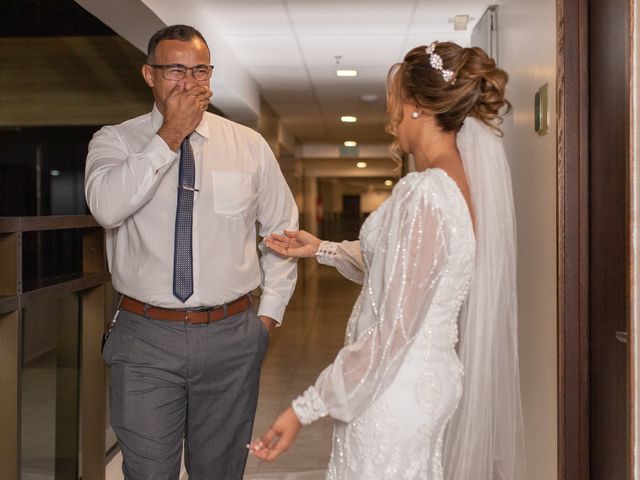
475	88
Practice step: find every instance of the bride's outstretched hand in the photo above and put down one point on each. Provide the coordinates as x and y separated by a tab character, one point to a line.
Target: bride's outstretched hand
278	438
298	243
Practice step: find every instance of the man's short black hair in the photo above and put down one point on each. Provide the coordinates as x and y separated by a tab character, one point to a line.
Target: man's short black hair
183	33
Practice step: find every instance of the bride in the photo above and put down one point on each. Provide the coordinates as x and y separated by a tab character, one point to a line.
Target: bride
436	261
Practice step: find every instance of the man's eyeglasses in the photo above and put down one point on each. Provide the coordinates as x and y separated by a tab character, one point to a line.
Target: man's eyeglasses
178	72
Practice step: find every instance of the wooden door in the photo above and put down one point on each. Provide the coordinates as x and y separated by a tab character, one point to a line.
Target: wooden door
593	233
608	260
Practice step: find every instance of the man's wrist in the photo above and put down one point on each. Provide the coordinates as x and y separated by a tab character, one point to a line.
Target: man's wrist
271	306
172	138
269	322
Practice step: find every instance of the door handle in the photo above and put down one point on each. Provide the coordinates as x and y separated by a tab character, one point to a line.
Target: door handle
621	337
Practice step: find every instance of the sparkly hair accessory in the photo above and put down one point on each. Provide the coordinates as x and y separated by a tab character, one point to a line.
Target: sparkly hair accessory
435	61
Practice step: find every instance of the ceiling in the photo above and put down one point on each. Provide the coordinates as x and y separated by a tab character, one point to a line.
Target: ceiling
285	50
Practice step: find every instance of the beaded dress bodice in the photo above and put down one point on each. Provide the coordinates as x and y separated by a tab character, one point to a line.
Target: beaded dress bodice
397	381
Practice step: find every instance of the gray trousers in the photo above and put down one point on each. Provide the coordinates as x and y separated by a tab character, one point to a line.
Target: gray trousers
172	382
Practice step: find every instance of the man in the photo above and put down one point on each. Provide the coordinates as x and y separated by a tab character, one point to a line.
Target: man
179	192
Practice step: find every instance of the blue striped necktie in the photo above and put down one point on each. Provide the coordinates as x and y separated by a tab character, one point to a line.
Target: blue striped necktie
183	252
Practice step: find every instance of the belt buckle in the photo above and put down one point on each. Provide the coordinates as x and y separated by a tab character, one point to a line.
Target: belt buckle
186	316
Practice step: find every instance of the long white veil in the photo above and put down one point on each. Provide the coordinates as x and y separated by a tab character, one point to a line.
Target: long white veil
484	439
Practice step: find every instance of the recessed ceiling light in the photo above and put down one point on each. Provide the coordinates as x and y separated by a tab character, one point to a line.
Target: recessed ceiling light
460	22
350	143
347	73
369	97
54	173
349	119
361	164
388	183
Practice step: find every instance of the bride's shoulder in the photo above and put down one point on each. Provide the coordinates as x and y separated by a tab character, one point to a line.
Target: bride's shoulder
419	184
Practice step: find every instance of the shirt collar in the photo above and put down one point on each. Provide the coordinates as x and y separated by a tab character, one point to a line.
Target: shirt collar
202	129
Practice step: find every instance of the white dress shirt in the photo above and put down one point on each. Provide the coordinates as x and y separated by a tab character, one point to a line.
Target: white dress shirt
131	188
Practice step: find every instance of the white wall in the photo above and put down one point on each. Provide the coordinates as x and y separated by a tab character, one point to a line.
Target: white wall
527	51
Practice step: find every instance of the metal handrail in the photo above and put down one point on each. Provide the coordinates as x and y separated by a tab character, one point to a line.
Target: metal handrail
52	222
93	303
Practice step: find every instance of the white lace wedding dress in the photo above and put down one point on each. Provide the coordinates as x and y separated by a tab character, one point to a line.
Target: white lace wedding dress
397	381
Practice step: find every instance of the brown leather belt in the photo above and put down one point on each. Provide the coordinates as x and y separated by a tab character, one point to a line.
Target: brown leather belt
207	315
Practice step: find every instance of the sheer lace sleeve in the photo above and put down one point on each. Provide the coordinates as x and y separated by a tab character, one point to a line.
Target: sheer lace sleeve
346	257
409	257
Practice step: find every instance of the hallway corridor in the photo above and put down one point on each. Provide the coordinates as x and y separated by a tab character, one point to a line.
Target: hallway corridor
312	332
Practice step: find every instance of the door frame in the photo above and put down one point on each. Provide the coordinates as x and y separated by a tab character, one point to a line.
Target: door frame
634	240
573	239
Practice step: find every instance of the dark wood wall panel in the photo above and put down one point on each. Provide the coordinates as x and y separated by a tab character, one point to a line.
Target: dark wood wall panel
609	147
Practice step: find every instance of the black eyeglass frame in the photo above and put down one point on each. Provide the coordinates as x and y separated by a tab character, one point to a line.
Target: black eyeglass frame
184	70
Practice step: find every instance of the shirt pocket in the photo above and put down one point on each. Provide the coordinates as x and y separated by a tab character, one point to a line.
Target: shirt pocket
232	193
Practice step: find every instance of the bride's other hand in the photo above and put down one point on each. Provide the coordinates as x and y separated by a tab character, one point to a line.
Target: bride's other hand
298	243
278	438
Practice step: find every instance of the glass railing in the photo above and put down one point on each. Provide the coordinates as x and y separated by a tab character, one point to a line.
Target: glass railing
55	297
